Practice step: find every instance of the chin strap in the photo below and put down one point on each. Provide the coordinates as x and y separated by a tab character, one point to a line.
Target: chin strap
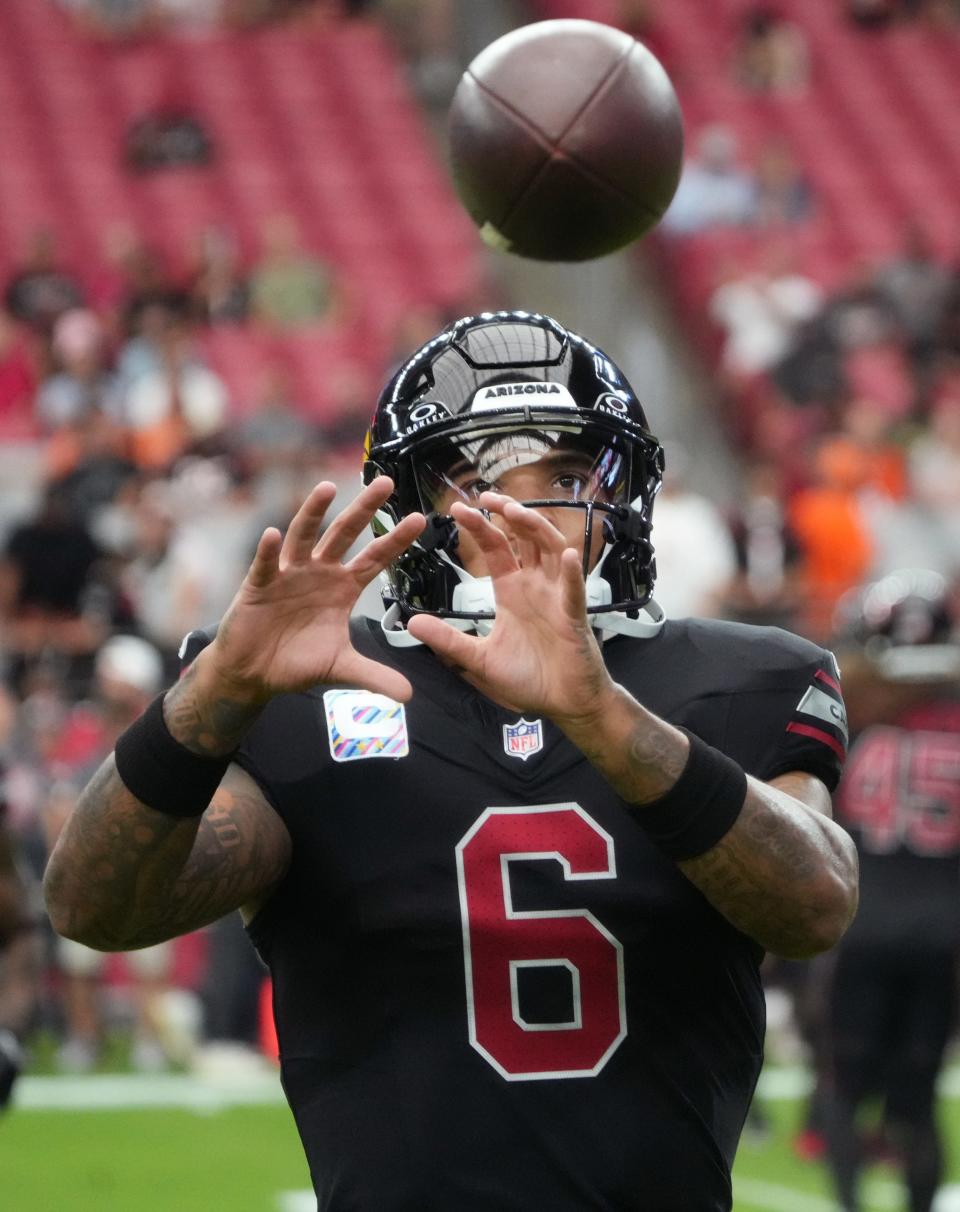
645	626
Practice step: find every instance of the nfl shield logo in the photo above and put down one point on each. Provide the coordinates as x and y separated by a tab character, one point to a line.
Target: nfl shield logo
523	739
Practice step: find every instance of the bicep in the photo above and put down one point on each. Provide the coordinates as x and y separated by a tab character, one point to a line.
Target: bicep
809	790
241	852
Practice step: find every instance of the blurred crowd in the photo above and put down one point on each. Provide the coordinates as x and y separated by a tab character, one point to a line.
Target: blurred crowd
129	19
133	488
846	405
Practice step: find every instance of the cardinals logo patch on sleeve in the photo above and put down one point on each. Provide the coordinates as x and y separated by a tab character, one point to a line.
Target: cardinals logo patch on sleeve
361	724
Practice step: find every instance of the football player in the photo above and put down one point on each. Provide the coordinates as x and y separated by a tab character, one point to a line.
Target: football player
514	852
892	1002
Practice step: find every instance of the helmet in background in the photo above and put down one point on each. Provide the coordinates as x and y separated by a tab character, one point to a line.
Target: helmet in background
904	625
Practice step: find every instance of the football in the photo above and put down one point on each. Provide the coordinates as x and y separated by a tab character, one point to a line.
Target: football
566	140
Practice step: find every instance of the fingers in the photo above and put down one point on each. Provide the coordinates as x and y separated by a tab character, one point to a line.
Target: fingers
537	540
264	565
351	522
494	544
378	553
451	645
574	589
302	532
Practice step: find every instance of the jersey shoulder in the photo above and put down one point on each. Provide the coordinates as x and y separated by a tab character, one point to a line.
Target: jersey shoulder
746	651
768	698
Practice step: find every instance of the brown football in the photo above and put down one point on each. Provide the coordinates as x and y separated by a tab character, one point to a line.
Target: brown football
566	140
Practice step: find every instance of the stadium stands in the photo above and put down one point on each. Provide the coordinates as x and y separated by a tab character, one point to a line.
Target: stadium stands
315	123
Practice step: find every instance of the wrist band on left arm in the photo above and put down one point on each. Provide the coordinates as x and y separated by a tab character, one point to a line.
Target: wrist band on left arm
162	773
700	807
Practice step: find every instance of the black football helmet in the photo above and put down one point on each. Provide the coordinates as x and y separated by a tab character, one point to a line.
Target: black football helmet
497	391
904	625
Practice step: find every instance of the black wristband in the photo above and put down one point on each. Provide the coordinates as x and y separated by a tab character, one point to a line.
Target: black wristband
162	773
700	807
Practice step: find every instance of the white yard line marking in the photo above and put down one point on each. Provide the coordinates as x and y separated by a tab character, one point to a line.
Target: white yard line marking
771	1197
135	1091
296	1201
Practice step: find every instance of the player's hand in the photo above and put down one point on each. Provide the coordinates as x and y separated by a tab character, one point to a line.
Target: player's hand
288	626
541	654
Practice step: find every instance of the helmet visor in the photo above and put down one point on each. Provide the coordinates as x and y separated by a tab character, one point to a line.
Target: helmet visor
530	464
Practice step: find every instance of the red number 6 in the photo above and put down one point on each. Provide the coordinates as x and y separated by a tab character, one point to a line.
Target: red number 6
499	940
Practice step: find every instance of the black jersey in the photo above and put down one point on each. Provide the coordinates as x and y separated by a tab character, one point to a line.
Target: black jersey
492	991
901	802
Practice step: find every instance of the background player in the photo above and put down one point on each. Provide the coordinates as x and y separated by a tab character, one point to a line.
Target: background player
893	998
444	968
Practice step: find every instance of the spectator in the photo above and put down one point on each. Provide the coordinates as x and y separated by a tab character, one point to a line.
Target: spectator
782	191
82	385
762	312
915	287
18	379
128	672
772	56
870	428
223	519
146	283
166	571
765	589
934	463
170	136
219	292
274	436
41	290
93	466
288	286
714	191
45	574
179	403
695	553
829	523
814	372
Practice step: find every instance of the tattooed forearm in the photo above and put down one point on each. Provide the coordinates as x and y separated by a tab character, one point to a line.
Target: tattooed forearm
238	852
784	874
123	875
203	719
640	755
93	880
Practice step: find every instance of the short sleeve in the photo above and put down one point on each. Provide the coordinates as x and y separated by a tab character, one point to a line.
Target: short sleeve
811	733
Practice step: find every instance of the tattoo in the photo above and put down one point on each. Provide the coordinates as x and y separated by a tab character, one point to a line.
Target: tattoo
123	875
210	728
783	874
643	765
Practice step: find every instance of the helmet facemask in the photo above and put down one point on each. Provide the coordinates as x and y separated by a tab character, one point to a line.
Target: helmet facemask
550	463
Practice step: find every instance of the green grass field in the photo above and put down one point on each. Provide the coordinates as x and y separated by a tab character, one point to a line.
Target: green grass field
175	1144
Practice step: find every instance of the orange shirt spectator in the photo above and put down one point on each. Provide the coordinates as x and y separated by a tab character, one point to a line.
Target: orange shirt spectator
836	551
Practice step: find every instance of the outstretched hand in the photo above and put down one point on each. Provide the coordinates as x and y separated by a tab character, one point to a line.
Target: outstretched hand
288	626
541	654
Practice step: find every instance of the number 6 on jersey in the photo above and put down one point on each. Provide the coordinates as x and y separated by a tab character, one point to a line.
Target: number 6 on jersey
499	941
